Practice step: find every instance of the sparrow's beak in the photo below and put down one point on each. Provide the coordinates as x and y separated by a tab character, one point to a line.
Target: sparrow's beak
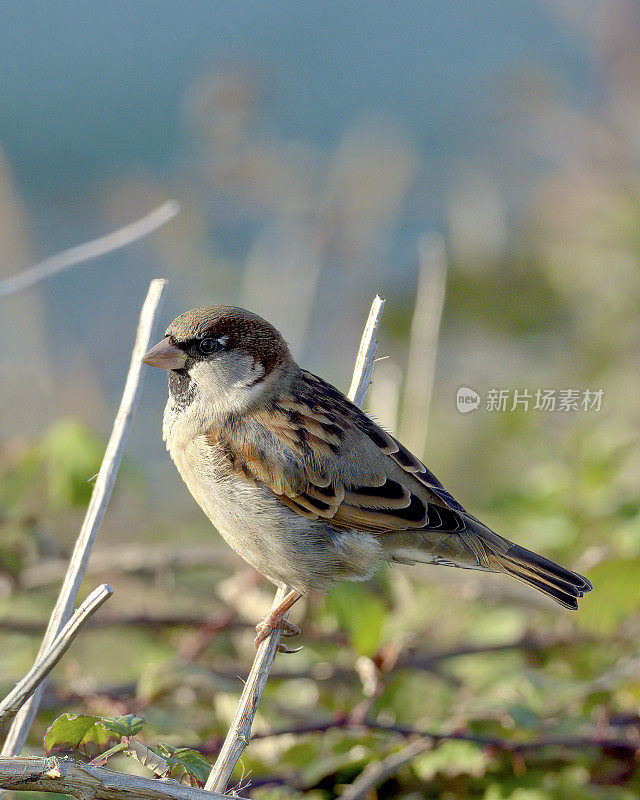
165	355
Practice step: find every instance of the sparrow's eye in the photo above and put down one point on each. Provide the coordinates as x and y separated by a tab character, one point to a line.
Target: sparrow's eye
208	345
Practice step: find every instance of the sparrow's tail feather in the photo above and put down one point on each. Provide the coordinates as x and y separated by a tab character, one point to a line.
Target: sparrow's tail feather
563	585
478	547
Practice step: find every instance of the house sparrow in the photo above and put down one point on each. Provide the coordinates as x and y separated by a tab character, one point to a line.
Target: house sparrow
300	482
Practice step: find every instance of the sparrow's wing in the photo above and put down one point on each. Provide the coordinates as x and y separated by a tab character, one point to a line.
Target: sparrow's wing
325	459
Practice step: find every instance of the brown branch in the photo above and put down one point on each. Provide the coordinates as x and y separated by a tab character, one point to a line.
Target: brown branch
365	360
239	731
573	743
88	781
149	621
326	674
529	643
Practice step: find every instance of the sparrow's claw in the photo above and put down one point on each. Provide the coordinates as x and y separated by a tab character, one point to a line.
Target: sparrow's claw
282	648
269	624
288	628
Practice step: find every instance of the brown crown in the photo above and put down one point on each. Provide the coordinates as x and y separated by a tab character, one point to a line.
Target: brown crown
245	331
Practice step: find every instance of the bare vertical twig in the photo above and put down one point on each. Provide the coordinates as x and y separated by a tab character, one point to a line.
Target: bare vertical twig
363	371
239	731
43	666
95	512
425	328
90	250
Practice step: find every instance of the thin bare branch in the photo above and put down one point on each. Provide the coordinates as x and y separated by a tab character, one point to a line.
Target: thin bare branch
90	250
365	359
95	512
239	732
423	345
88	781
25	688
375	772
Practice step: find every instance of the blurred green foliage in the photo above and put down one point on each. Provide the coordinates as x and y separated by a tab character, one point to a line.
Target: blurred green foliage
56	472
360	613
435	650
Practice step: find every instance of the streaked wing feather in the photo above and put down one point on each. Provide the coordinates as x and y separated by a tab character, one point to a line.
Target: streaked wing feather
325	459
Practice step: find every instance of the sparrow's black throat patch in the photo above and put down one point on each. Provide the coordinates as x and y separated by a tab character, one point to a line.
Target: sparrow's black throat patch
181	387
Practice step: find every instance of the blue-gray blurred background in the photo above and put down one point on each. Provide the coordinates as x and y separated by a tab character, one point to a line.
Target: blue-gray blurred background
310	144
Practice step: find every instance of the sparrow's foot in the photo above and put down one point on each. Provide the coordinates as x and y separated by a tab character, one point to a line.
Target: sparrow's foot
275	620
271	623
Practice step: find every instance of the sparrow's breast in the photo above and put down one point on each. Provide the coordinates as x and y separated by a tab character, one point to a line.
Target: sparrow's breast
286	548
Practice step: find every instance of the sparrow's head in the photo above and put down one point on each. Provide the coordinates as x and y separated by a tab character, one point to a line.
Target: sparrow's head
227	356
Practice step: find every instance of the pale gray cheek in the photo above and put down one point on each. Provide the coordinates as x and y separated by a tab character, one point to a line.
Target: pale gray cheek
253	377
228	383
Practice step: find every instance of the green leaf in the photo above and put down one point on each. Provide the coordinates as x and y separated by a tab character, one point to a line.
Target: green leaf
345	764
128	725
88	735
361	613
186	766
17	480
79	734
